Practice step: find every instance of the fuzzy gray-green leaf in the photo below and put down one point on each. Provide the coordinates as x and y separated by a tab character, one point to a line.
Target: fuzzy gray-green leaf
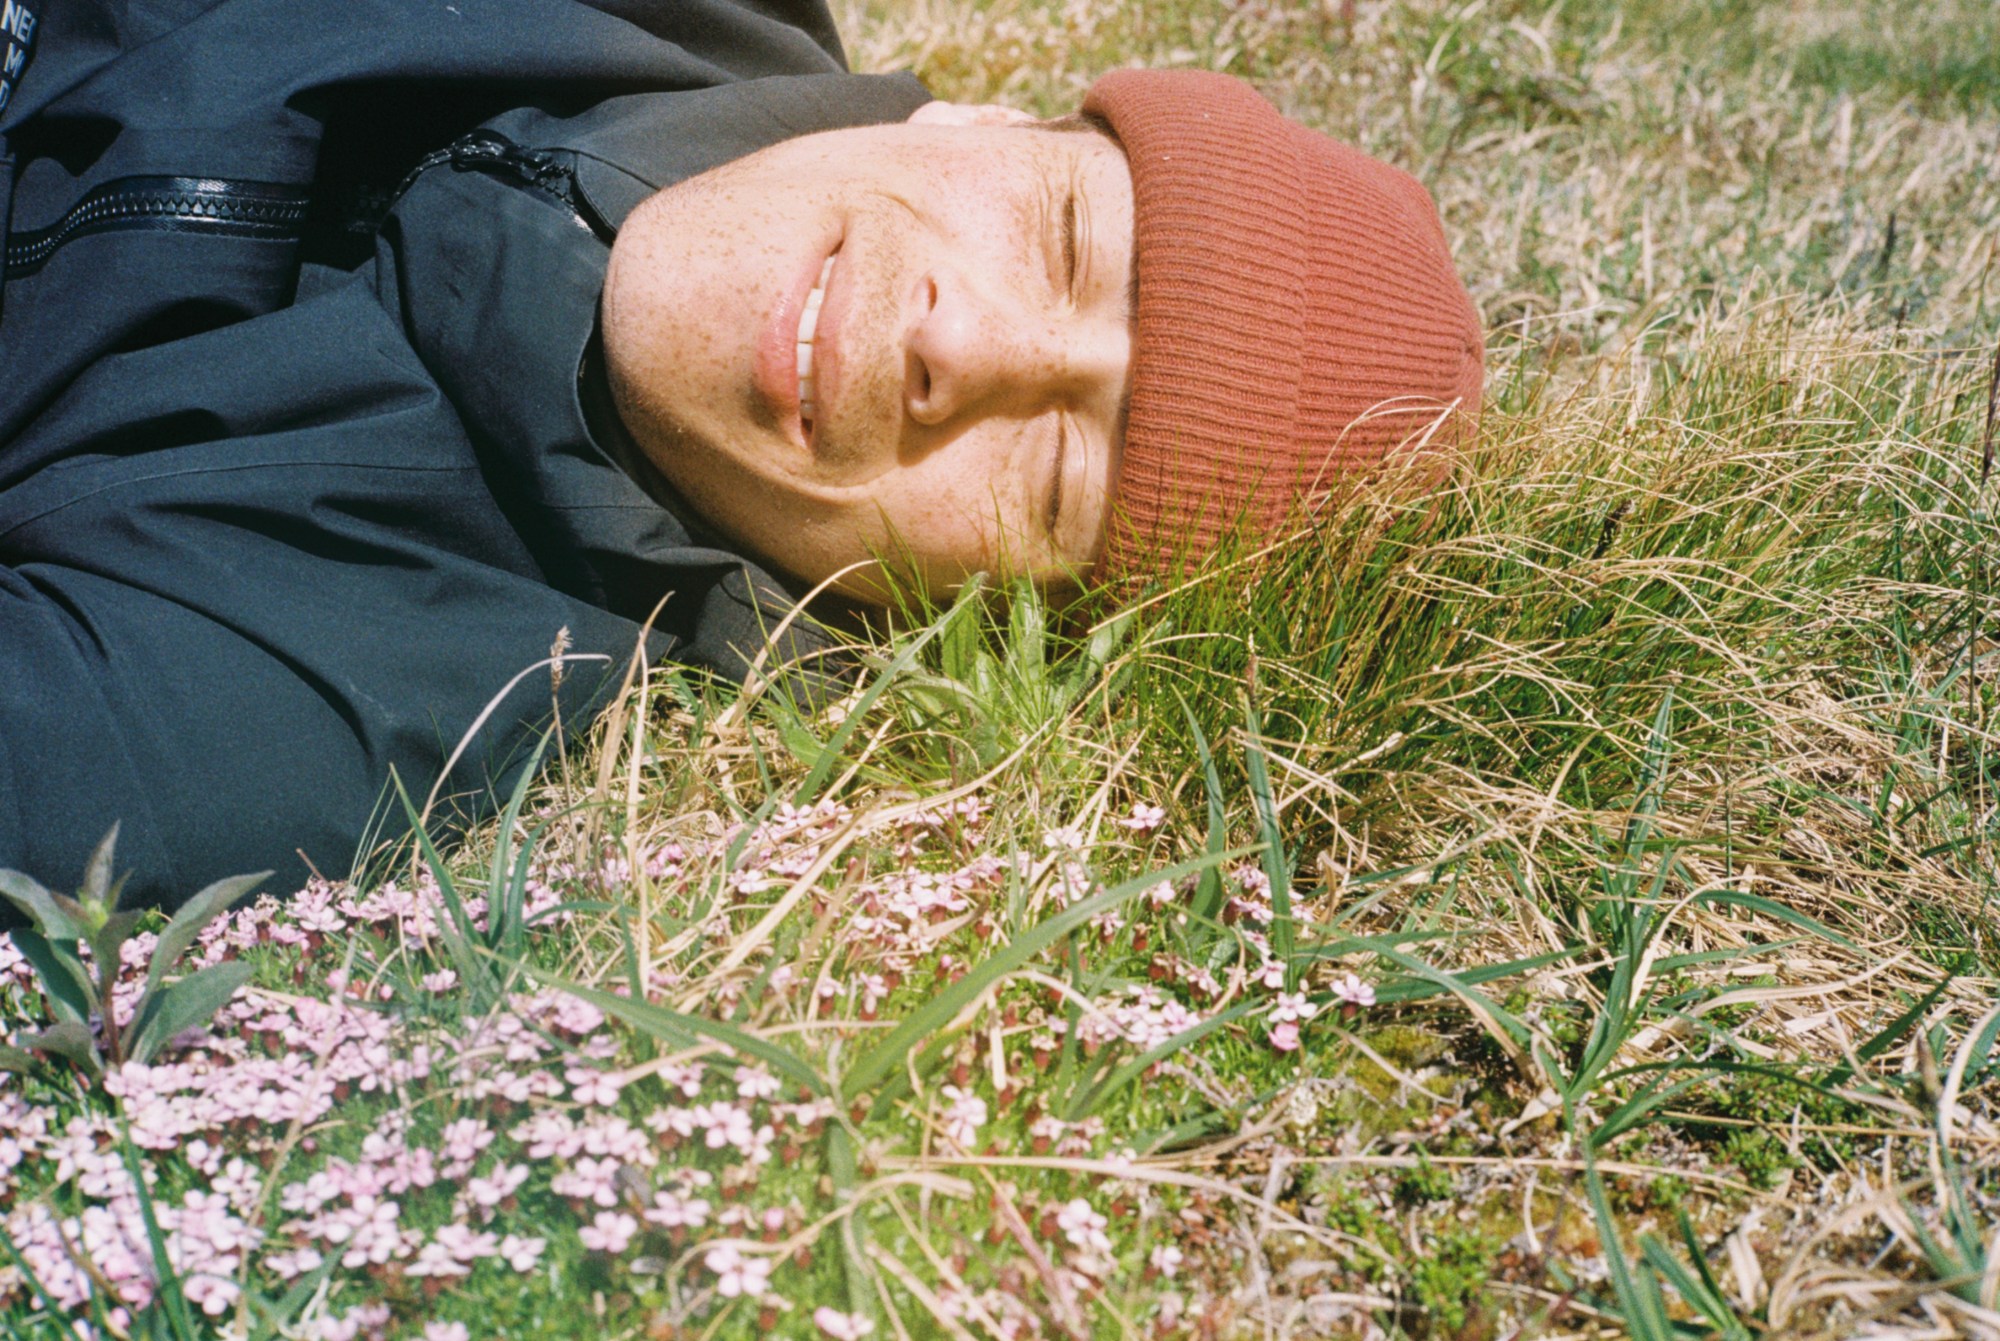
70	1039
97	876
195	914
52	914
64	980
177	1007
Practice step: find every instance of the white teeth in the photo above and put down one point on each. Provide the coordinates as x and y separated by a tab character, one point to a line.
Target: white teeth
808	327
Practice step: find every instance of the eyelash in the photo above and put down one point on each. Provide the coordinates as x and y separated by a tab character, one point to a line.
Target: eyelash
1069	239
1070	260
1053	513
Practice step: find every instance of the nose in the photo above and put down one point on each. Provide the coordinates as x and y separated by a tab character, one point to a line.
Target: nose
974	350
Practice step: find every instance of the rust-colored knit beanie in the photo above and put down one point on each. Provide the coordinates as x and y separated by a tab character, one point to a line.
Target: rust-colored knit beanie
1300	321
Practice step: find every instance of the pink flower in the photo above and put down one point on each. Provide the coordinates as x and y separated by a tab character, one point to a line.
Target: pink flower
683	1076
1292	1006
1354	992
964	1118
213	1293
446	1331
842	1326
462	1140
608	1232
496	1187
1285	1037
672	1211
591	1086
1167	1260
1144	818
754	1082
588	1180
1083	1226
1068	838
736	1274
522	1253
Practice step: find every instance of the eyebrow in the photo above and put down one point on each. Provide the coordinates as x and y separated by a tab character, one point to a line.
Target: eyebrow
1132	322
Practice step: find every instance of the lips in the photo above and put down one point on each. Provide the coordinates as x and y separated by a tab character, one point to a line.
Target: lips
808	330
789	369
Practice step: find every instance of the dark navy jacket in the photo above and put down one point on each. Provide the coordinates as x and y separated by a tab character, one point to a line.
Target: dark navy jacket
297	473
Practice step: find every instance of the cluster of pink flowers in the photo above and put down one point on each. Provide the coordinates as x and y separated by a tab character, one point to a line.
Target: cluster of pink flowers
364	1126
1145	1018
207	1233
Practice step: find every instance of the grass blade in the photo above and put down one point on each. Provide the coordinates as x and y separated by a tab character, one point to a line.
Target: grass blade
887	1056
684	1030
1277	866
1206	911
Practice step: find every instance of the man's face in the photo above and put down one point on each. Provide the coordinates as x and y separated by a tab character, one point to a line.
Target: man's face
966	362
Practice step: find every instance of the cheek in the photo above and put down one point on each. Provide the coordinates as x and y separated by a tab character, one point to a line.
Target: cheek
959	522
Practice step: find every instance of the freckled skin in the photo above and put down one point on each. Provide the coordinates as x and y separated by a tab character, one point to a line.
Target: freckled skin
955	349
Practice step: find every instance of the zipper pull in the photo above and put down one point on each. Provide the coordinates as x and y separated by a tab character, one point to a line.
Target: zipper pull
542	169
485	151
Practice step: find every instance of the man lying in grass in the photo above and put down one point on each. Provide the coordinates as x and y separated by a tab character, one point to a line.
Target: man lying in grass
353	364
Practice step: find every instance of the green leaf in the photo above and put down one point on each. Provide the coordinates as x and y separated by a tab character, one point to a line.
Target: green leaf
165	1012
886	1058
70	1039
1397	990
1636	1110
1459	985
1207	906
1639	1297
1982	1048
506	879
683	1030
70	992
1698	1288
13	1059
57	1315
807	791
195	914
845	1173
1770	908
1277	866
1103	1090
97	887
53	915
1902	1024
455	929
106	945
172	1297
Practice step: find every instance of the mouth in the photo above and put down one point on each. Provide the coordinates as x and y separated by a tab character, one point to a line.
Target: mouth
803	349
789	369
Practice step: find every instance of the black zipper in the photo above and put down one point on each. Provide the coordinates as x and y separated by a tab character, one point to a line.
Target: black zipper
547	172
210	206
216	206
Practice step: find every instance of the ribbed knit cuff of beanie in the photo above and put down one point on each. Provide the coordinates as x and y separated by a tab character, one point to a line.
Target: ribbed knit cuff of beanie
1300	325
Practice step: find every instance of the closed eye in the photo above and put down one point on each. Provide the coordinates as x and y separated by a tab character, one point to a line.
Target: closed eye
1052	507
1069	240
